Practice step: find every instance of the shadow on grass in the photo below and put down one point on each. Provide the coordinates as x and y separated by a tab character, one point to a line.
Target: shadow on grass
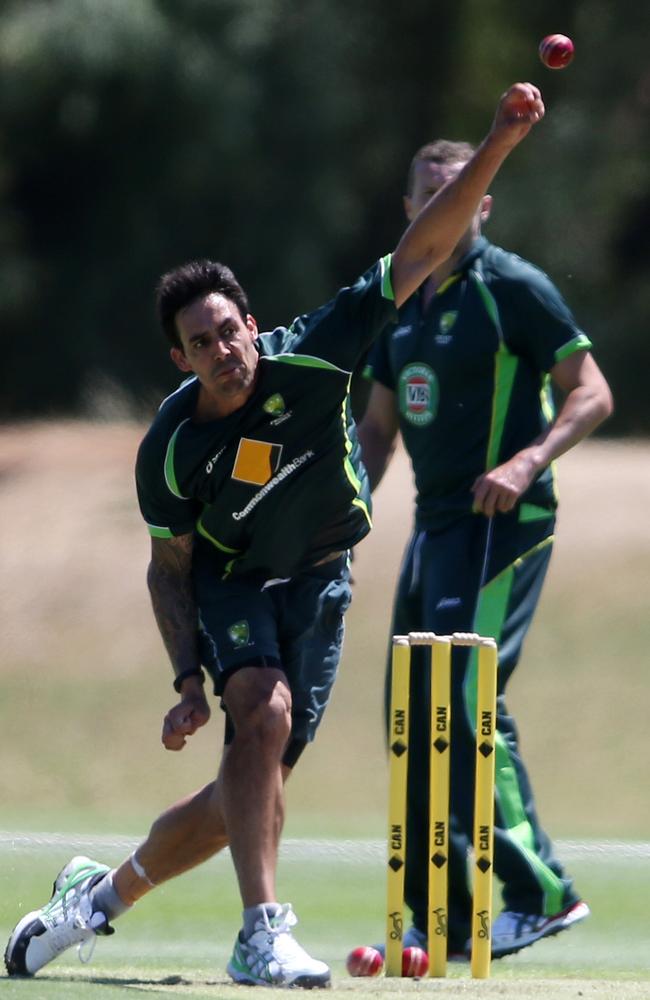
132	981
137	981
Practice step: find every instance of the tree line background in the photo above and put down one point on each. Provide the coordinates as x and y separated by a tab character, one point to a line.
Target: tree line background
275	135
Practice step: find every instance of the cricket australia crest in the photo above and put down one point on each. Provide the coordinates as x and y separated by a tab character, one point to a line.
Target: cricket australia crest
239	634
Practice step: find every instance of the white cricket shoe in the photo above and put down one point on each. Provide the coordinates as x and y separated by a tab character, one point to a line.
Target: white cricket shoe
271	956
67	919
513	931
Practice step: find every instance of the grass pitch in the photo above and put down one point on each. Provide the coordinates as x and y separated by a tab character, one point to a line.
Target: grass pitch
179	938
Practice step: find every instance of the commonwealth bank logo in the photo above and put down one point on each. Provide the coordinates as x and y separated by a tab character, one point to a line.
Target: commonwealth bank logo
256	461
239	634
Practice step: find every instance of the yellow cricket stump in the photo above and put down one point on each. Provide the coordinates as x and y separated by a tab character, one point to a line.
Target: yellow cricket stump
397	777
484	809
439	753
439	750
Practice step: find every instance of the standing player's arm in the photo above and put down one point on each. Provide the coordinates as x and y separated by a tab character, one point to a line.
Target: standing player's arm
169	578
434	233
377	432
587	403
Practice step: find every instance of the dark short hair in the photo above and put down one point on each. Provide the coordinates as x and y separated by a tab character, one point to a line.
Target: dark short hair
441	151
182	286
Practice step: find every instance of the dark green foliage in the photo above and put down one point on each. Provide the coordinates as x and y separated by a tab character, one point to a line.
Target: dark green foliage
275	136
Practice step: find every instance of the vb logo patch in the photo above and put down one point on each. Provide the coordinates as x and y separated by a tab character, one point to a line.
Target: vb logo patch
418	394
239	634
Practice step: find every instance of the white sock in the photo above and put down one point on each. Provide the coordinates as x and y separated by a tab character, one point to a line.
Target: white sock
104	897
253	913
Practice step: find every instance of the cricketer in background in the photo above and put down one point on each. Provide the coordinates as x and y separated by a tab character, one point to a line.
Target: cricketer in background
464	375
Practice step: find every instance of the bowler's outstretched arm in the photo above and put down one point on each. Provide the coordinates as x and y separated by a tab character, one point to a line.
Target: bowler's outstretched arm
433	234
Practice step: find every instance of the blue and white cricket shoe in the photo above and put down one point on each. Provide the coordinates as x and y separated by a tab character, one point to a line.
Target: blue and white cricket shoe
513	931
67	919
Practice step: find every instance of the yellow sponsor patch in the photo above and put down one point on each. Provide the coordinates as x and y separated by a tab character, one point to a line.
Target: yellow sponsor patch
256	461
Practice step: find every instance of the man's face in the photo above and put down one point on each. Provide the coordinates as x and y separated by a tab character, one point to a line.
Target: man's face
219	347
429	178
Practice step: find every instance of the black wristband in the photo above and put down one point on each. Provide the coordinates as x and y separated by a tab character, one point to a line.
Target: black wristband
192	672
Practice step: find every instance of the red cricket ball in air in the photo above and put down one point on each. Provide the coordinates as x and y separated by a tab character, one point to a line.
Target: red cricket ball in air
556	51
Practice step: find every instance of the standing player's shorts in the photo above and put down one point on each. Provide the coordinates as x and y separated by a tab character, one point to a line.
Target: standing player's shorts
294	625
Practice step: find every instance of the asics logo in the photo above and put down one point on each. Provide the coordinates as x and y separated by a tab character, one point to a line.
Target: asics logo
448	602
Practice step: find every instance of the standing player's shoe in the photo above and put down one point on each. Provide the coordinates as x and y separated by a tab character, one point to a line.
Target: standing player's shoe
66	920
513	931
271	956
415	938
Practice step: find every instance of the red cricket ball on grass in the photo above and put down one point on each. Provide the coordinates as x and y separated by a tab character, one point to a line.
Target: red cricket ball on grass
364	961
415	962
556	51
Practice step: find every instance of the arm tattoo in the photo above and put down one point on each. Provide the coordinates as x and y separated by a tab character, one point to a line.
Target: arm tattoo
172	595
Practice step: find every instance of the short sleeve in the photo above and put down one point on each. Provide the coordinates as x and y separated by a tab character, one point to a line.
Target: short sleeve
165	511
537	323
341	331
378	366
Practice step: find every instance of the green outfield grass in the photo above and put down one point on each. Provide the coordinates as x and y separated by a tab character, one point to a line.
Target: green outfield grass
84	672
178	939
85	684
